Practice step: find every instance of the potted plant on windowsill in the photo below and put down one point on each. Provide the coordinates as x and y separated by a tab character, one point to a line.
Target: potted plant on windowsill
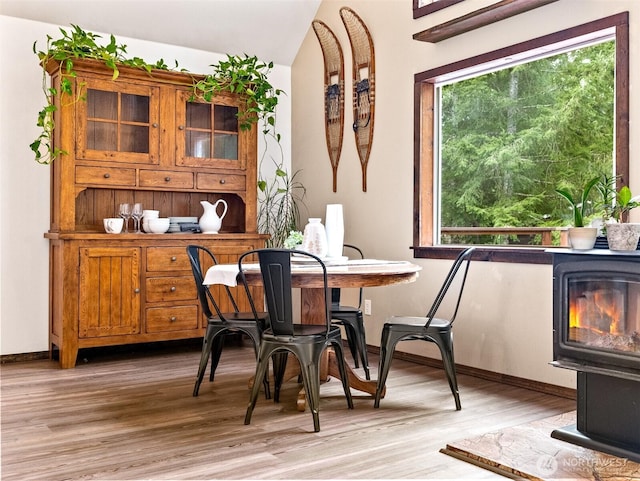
581	237
621	235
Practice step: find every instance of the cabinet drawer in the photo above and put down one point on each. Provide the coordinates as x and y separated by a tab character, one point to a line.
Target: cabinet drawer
160	289
166	179
172	318
218	182
167	259
105	176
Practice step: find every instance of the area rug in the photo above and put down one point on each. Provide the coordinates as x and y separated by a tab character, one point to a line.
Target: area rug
529	452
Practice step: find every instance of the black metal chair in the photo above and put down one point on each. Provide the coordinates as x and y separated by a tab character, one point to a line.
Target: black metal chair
435	330
250	323
350	317
305	341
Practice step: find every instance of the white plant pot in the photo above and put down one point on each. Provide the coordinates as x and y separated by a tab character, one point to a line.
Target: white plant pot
582	238
623	237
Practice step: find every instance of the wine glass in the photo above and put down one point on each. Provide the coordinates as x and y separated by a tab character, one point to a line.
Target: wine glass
125	213
136	213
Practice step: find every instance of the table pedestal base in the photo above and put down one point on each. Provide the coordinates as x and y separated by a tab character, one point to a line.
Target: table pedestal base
329	368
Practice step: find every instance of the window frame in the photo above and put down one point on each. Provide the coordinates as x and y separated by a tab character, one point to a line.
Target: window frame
424	134
421	11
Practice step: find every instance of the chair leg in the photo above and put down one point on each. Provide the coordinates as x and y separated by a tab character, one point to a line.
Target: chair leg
216	352
352	340
309	364
255	338
445	343
204	357
363	347
279	367
387	345
262	367
342	367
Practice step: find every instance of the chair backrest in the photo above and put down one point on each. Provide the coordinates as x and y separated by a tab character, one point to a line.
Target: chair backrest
464	258
204	294
275	269
335	292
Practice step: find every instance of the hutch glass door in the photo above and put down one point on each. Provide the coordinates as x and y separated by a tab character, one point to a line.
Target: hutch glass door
118	122
208	134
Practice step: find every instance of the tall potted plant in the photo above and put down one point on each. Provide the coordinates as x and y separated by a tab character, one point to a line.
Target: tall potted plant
581	237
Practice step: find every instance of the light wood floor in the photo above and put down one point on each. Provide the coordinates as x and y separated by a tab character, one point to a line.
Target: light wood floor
131	416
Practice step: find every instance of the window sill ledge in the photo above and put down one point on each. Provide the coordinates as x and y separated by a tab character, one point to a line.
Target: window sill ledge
523	255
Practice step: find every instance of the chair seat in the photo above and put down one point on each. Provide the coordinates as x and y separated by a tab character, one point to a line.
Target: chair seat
238	317
398	324
311	332
337	310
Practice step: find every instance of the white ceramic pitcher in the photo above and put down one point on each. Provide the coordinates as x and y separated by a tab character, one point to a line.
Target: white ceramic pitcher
210	222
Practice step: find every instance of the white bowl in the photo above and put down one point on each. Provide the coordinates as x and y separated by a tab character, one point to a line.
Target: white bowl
113	225
159	225
150	214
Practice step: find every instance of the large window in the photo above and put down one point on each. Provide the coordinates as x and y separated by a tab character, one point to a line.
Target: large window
498	133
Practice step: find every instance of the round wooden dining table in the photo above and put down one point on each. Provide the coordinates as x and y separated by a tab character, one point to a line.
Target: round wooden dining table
350	274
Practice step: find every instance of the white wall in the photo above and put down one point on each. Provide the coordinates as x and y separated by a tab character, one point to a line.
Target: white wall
505	324
24	184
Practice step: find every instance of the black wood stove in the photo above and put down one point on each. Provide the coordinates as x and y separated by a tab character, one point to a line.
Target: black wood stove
596	332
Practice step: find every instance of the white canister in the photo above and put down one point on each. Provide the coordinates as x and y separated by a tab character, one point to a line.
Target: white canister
334	225
314	239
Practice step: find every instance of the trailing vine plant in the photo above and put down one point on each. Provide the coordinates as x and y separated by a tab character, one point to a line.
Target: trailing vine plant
75	44
247	76
280	199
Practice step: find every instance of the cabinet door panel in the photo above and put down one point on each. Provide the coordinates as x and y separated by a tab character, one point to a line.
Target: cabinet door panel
118	122
109	298
208	134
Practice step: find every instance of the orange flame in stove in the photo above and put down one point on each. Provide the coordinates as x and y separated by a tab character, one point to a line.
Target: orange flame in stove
600	310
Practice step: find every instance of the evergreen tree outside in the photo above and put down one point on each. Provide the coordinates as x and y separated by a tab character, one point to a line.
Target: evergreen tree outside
511	137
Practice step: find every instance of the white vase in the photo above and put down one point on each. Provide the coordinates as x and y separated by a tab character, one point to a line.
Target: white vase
582	238
314	239
623	237
334	225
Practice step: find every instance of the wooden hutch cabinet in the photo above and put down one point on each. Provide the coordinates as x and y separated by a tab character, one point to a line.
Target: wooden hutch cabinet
140	138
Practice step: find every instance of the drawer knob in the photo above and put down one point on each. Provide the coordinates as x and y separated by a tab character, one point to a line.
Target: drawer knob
173	289
174	258
222	181
181	127
154	125
173	319
167	179
106	176
136	290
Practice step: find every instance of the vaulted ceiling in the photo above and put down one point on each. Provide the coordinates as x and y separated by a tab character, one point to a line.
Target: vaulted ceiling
270	29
